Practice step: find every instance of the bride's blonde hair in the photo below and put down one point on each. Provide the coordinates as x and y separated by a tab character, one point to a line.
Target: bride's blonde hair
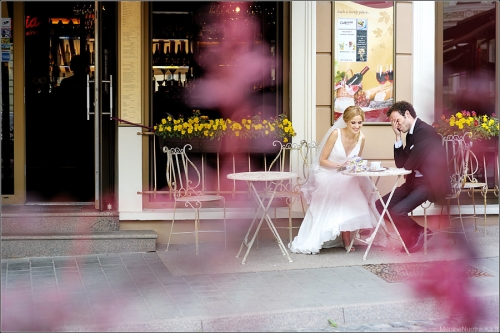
353	111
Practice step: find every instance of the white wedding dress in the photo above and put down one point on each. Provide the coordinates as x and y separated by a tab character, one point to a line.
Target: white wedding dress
336	204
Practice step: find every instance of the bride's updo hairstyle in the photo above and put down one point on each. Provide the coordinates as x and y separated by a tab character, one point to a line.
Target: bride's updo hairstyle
353	111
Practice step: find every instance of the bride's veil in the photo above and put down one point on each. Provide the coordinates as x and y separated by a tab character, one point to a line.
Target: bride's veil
308	188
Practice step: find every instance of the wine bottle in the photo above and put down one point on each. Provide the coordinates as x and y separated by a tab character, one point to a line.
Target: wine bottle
173	56
88	54
161	54
67	55
182	62
156	55
356	79
51	60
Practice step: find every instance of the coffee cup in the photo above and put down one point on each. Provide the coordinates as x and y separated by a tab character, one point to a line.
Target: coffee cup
375	165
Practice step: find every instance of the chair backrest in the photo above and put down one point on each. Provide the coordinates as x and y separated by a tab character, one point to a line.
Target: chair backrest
472	165
292	157
183	177
457	154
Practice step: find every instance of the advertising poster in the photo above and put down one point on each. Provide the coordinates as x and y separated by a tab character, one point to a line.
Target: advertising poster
6	45
364	57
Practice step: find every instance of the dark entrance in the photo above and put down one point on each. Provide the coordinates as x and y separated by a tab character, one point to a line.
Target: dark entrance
70	137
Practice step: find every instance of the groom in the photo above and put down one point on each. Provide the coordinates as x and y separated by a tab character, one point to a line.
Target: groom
425	156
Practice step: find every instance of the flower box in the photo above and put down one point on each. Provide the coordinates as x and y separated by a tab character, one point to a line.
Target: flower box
199	145
482	127
250	146
250	134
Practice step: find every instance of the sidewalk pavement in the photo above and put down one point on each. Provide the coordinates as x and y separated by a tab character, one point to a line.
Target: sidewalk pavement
177	290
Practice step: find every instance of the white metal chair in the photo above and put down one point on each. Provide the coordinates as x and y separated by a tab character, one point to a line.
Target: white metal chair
472	185
291	157
184	179
456	154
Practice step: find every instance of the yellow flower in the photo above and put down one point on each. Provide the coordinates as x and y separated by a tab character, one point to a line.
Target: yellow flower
201	126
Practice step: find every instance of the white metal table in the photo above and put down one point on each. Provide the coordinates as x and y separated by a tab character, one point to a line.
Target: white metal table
377	174
273	180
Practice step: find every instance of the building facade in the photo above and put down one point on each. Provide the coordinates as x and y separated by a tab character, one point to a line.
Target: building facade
105	158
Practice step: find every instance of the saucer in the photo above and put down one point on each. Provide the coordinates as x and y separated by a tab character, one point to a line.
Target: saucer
375	170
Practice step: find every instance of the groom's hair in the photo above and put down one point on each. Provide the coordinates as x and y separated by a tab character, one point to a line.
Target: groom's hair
402	107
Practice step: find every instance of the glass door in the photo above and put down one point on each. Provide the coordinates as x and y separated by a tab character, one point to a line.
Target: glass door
70	59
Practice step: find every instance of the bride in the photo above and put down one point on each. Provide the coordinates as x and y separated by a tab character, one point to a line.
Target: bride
337	203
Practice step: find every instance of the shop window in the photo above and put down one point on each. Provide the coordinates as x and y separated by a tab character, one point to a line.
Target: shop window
469	56
201	54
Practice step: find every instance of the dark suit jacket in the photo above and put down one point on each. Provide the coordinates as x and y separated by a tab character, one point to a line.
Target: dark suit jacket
424	152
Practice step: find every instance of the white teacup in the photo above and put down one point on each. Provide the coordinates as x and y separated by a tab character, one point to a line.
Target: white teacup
375	165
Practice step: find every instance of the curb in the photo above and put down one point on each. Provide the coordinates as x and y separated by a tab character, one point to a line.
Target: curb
307	318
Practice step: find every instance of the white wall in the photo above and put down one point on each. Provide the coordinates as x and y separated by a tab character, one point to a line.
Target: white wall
129	169
424	76
303	69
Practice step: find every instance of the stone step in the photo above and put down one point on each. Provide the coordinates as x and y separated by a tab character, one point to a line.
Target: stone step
71	244
58	222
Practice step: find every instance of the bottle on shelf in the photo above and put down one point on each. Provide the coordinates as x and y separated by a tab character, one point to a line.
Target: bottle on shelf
71	28
161	54
189	56
356	79
156	55
51	59
167	55
60	28
67	55
88	55
173	55
180	54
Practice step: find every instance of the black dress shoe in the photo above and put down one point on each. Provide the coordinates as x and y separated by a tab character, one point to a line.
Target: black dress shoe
417	246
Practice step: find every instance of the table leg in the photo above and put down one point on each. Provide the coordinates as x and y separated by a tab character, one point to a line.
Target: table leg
277	236
265	216
245	239
385	212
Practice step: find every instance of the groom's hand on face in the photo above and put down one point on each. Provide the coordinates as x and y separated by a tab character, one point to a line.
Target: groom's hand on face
395	127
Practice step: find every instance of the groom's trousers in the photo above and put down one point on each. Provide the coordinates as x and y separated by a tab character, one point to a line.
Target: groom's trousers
405	199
